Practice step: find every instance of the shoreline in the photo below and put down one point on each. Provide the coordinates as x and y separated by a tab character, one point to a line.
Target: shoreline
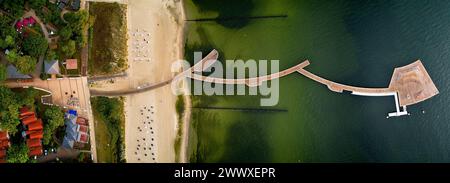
187	99
156	32
163	42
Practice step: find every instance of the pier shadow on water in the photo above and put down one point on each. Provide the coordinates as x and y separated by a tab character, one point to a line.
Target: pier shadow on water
227	9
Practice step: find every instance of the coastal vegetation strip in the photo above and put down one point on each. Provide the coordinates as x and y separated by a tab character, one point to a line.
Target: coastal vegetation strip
110	129
180	108
109	38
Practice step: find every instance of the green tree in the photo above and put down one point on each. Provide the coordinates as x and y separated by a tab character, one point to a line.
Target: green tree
12	56
8	30
25	64
66	33
47	135
78	22
2	72
68	48
17	153
80	40
15	8
35	46
27	97
9	110
51	55
10	118
54	118
7	42
37	4
5	21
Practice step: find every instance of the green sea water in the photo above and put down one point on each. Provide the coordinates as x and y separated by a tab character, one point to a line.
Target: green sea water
352	42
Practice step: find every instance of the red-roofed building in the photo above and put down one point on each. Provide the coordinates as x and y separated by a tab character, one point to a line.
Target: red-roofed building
4	140
34	143
37	135
82	121
24	111
26	114
37	151
31	132
34	133
82	128
29	120
37	125
4	145
32	20
71	64
26	21
3	135
2	154
83	137
19	25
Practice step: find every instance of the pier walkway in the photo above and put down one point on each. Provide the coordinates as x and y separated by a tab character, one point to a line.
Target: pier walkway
409	84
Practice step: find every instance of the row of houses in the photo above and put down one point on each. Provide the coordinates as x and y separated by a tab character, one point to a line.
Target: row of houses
50	67
4	145
77	130
33	131
77	133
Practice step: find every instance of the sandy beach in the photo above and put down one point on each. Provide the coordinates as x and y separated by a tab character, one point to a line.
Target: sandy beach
187	98
157	30
155	41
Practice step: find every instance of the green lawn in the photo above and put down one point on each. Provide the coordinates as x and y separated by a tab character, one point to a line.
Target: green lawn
109	129
108	39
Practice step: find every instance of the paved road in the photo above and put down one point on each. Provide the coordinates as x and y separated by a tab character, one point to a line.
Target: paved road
61	153
116	93
200	66
102	78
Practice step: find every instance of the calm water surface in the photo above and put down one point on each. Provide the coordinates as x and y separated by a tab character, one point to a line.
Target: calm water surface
352	42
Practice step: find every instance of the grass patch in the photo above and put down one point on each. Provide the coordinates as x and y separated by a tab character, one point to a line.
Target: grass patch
109	129
109	41
180	107
90	43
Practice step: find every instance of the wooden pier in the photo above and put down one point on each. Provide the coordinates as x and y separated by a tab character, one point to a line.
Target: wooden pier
409	84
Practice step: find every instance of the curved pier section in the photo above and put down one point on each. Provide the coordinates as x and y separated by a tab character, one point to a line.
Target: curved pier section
251	82
337	87
409	84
